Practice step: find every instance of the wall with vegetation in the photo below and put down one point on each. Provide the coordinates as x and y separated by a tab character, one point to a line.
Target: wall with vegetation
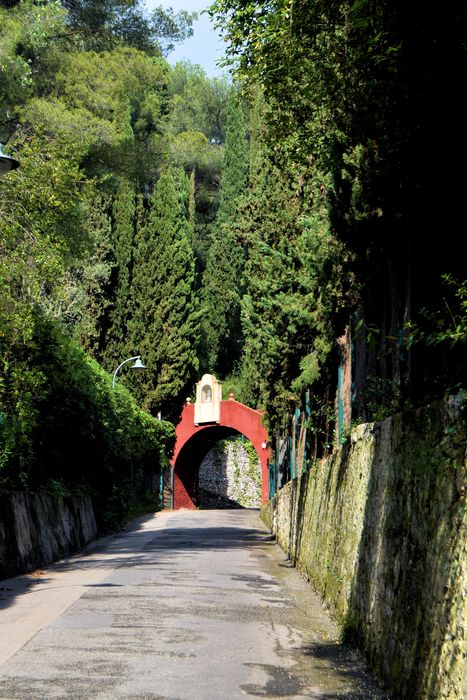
230	474
380	530
66	431
36	529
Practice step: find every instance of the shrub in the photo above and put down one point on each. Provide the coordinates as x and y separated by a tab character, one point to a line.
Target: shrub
62	422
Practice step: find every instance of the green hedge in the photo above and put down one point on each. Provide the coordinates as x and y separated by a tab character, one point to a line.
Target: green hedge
64	428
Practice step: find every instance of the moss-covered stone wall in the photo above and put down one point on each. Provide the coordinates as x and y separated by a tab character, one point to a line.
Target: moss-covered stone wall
230	475
380	530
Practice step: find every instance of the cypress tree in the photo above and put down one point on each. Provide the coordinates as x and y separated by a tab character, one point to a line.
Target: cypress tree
221	292
163	325
292	280
92	279
123	223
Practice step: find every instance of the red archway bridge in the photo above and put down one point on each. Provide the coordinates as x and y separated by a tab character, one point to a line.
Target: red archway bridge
204	423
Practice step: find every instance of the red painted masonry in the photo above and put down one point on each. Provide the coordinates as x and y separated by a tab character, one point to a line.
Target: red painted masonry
186	460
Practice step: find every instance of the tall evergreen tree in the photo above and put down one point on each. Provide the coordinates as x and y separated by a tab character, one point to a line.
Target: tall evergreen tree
84	301
221	291
163	326
292	279
123	216
349	103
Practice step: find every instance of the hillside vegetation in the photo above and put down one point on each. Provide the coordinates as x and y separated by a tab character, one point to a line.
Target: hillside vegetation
293	228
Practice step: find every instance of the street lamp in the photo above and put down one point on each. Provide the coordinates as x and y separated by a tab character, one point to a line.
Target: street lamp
7	163
138	365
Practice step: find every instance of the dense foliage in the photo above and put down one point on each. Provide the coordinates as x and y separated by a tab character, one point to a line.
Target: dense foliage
64	429
356	223
222	281
103	229
238	228
163	315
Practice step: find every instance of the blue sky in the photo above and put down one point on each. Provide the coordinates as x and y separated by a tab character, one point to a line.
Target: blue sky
205	46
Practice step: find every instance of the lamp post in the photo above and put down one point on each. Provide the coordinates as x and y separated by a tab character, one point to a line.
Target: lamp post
138	365
7	163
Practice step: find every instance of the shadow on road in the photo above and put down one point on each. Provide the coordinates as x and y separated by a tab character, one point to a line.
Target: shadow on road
132	547
326	664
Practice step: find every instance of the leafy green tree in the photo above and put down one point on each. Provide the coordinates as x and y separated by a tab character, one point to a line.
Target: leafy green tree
88	252
113	101
203	160
163	327
58	407
197	102
82	299
101	25
42	230
191	150
292	281
349	97
42	234
26	34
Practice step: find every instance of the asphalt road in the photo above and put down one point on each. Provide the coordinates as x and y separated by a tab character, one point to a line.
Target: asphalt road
184	605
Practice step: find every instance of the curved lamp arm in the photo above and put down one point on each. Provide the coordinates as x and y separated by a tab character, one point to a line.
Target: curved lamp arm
137	357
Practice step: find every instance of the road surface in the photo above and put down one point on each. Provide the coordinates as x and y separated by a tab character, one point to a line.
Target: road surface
182	605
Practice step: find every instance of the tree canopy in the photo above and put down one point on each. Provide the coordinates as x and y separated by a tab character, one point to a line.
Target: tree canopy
238	226
99	226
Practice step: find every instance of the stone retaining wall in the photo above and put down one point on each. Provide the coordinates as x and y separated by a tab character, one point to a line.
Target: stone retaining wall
230	474
380	529
36	529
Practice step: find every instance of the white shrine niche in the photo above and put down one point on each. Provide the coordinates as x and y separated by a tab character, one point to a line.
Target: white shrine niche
208	400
